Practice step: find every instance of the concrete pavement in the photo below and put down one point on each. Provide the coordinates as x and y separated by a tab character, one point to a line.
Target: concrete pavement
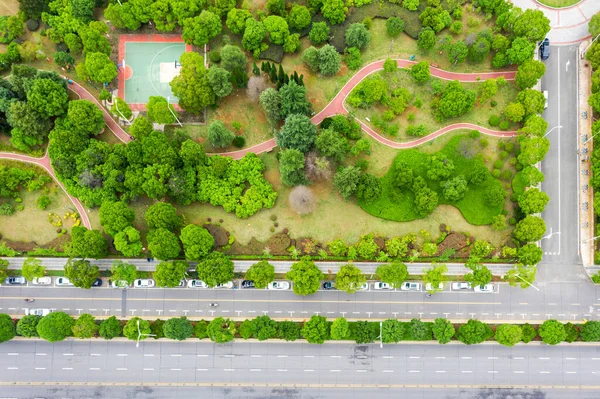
348	369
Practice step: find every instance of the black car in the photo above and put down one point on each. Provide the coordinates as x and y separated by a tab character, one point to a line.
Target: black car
247	284
328	285
545	49
97	283
15	281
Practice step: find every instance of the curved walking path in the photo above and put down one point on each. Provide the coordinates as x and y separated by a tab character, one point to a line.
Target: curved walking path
335	107
569	24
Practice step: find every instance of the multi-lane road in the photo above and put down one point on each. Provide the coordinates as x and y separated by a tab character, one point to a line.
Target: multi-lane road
283	370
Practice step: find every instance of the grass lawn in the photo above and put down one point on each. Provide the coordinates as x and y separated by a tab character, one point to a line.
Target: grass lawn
559	3
479	115
464	153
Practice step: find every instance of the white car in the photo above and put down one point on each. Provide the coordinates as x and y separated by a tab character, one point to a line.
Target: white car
63	281
461	286
42	280
119	284
279	285
37	312
143	283
380	285
196	284
181	284
485	288
363	287
227	285
410	286
429	287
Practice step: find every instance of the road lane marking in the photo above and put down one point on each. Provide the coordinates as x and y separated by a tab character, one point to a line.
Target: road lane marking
388	357
335	356
492	358
229	355
466	371
282	370
95	354
544	372
361	371
150	354
466	357
69	368
67	354
281	355
40	354
121	369
198	355
440	357
309	371
94	368
519	372
335	371
570	358
176	355
121	354
12	368
414	371
250	355
309	356
148	369
12	354
40	368
414	357
518	358
544	358
175	369
388	371
440	371
228	369
492	371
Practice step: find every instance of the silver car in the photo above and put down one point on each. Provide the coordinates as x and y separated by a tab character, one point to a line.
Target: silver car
279	285
42	280
461	286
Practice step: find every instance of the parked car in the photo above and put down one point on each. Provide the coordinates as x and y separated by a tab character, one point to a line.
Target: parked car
429	287
485	288
411	286
15	281
279	285
545	99
247	284
196	284
329	285
119	284
143	283
37	312
380	285
46	280
461	286
228	285
363	287
545	49
97	283
181	284
63	281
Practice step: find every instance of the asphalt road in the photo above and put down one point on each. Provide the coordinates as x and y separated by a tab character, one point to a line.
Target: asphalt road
562	301
562	261
339	368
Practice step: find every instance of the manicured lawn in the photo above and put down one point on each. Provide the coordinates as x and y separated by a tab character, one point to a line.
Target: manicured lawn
480	114
472	206
559	3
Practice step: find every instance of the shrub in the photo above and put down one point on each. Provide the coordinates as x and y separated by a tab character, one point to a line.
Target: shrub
32	25
6	209
494	120
493	103
552	332
572	332
245	329
43	201
474	332
201	329
239	141
528	333
504	125
498	164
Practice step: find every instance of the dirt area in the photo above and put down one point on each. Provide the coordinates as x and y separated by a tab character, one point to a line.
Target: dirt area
9	7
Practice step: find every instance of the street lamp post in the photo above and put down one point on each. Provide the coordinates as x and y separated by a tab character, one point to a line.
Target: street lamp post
137	341
176	118
587	48
590	239
517	275
381	334
549	131
120	113
595	134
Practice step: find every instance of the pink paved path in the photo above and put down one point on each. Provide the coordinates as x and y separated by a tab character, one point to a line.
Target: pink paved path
335	107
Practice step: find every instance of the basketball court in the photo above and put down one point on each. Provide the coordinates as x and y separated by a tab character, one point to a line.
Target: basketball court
147	64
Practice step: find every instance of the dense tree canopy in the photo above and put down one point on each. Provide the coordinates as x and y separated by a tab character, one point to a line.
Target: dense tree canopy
163	244
306	277
160	111
87	243
81	273
215	269
55	327
191	86
197	241
115	216
200	29
298	132
262	273
169	274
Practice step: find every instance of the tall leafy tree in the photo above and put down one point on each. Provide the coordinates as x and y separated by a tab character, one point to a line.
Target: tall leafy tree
200	29
218	135
163	244
394	273
160	111
55	327
32	268
100	68
191	86
163	215
262	273
298	132
87	243
169	274
197	241
215	269
349	278
47	97
81	273
86	117
121	271
115	216
306	277
220	81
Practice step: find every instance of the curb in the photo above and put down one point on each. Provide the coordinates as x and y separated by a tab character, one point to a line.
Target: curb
542	5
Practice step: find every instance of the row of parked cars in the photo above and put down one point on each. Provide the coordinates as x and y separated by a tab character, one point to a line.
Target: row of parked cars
417	286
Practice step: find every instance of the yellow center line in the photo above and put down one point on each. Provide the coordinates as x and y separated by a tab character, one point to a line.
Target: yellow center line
258	300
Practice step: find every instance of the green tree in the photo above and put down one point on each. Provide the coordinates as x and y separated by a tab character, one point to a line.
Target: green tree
276	7
357	35
552	332
262	273
136	329
163	244
218	135
426	201
443	330
437	18
291	167
3	269
349	278
85	327
455	188
115	216
426	39
533	201
263	328
47	97
346	180
128	242
474	332
394	273
369	188
315	330
160	111
121	271
521	275
200	29
530	229
520	50
7	328
332	144
299	17
319	33
55	327
298	132
535	125
533	150
197	242
532	24
221	330
293	100
201	329
169	274
254	34
288	330
365	332
220	81
489	88
514	112
458	52
306	277
480	275
392	331
163	215
215	269
86	117
435	276
529	332
27	326
191	86
340	329
590	331
334	11
32	268
178	328
479	50
277	28
81	273
394	26
233	58
420	72
529	73
508	334
236	20
419	330
532	176
100	68
270	101
454	101
292	43
110	328
33	8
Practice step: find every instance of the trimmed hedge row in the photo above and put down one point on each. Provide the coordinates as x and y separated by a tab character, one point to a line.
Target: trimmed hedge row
317	330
